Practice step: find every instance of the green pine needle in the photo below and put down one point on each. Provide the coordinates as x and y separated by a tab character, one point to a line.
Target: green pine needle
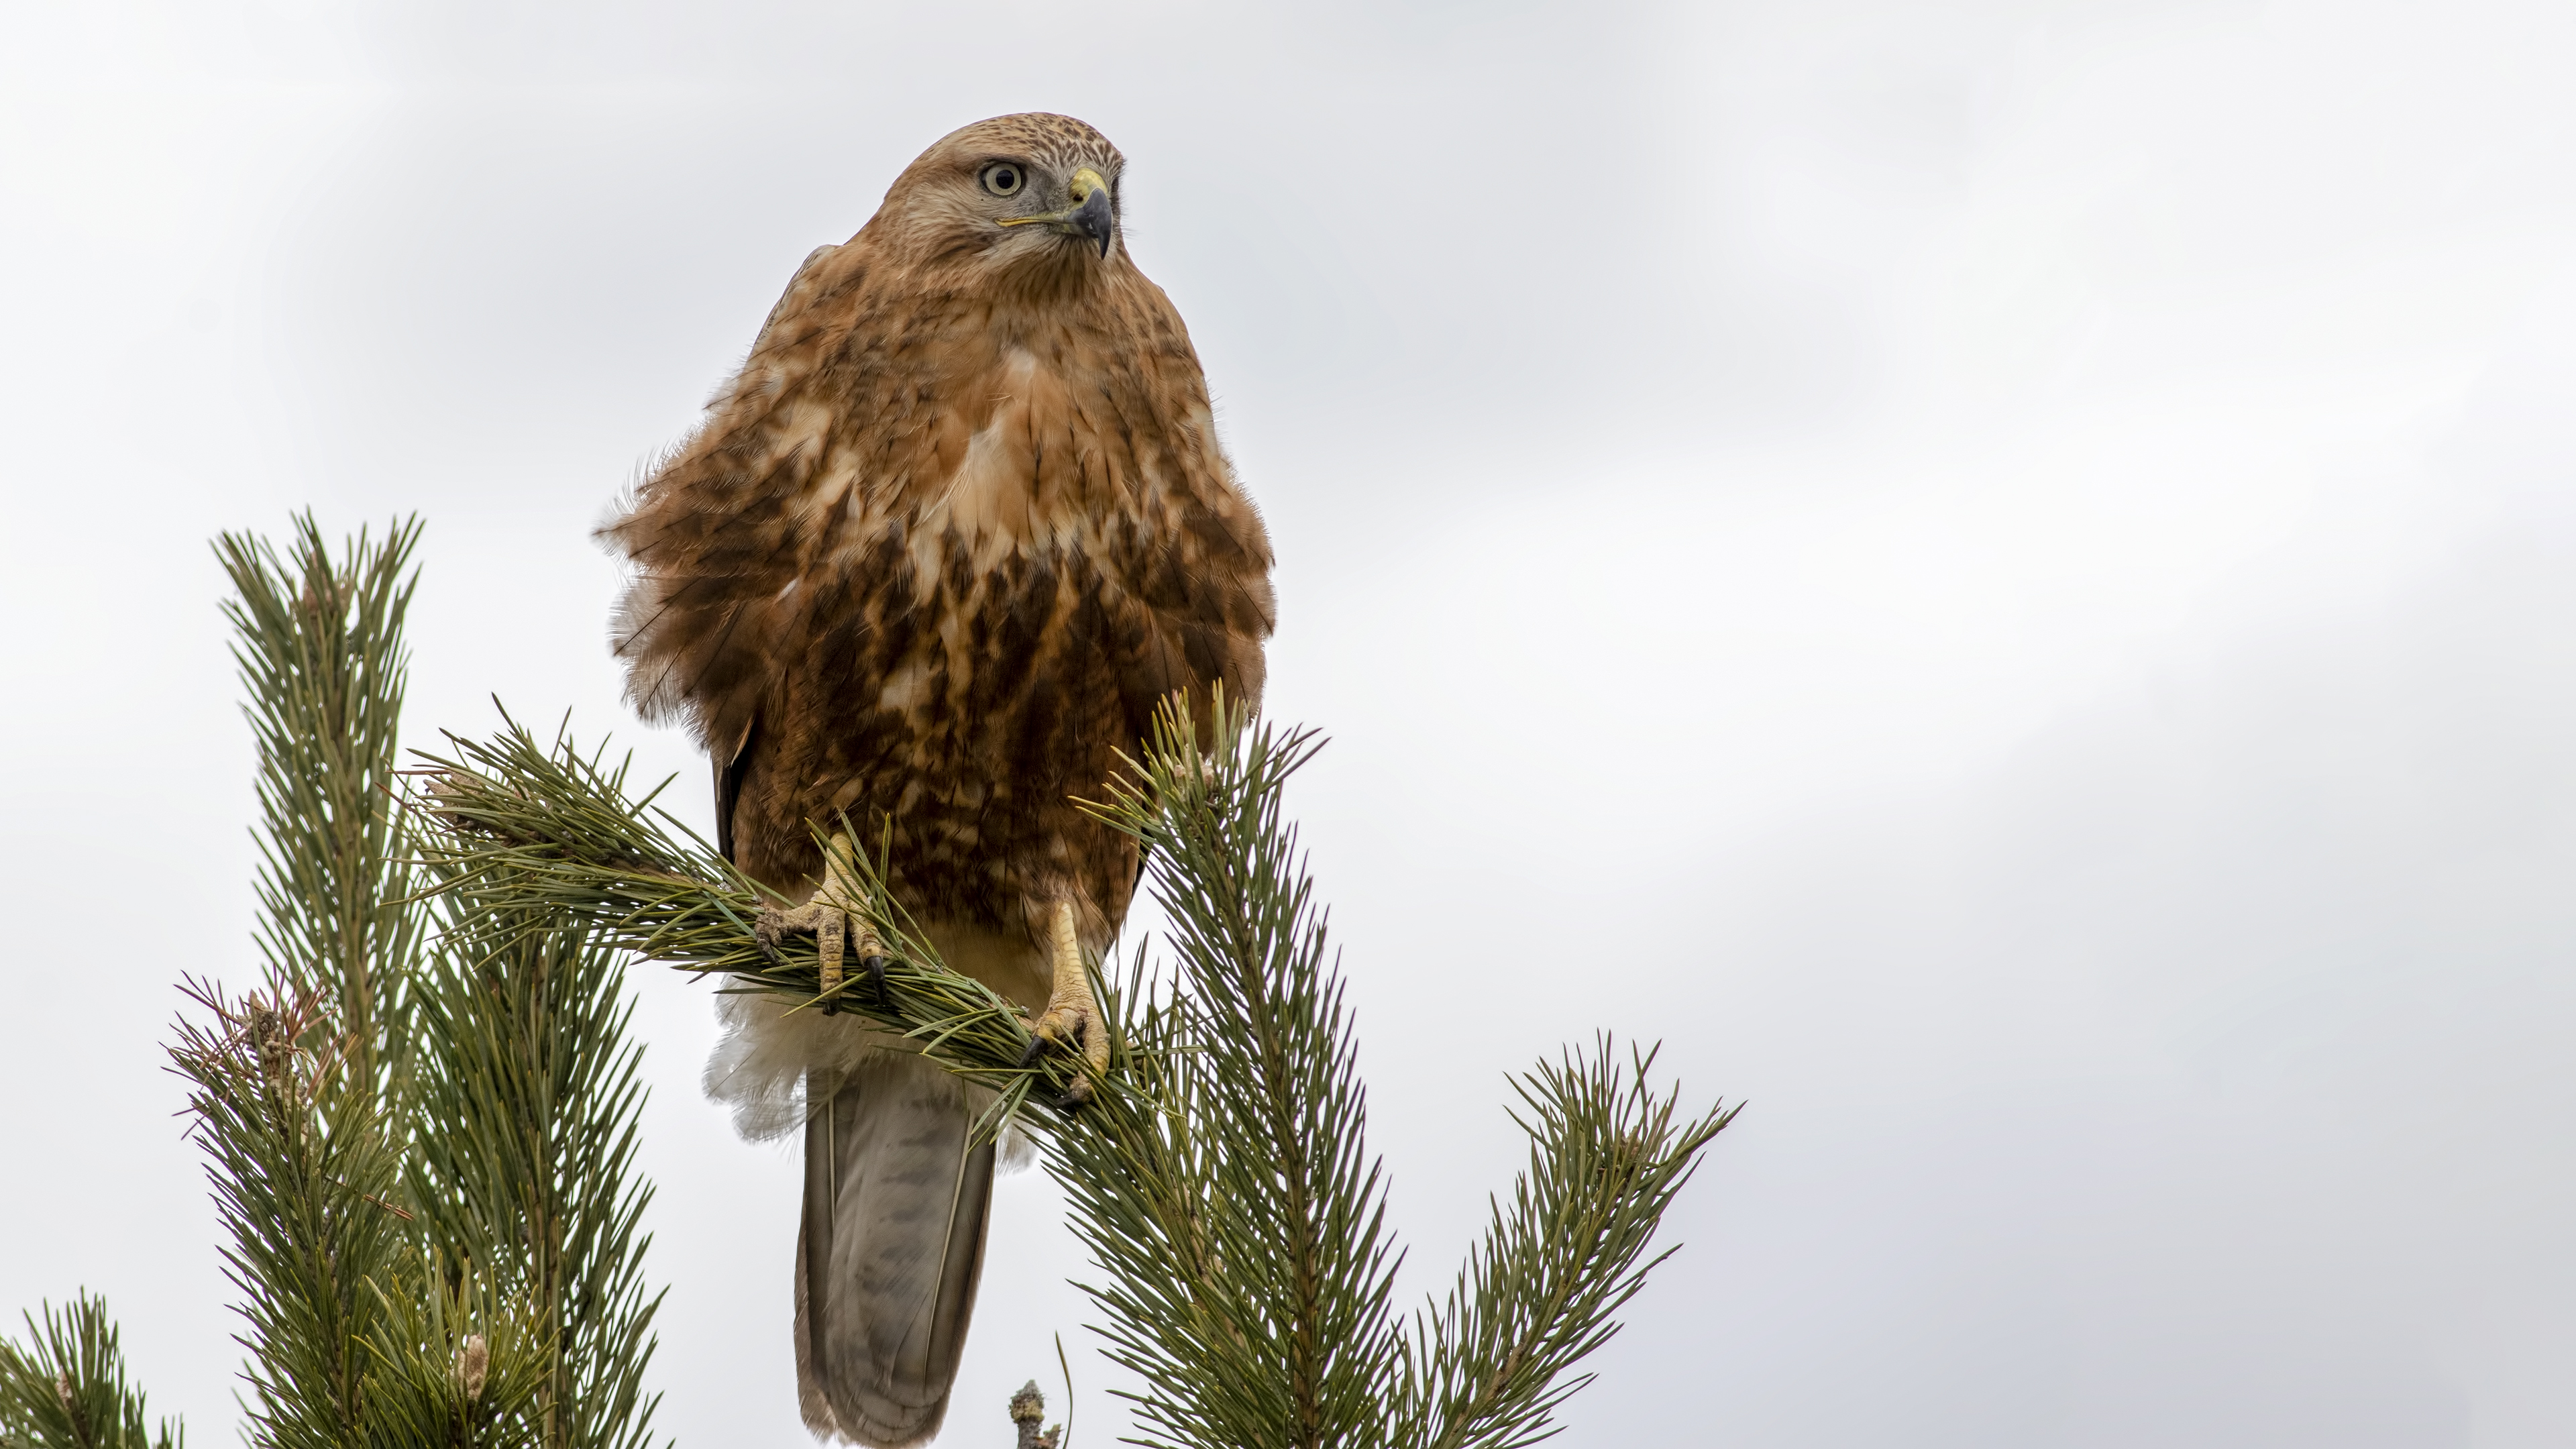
529	1092
65	1387
303	1169
318	640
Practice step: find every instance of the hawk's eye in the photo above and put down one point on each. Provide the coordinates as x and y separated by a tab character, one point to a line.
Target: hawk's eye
1004	179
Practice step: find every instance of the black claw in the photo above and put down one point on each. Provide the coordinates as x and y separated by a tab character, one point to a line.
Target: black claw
876	966
1037	1048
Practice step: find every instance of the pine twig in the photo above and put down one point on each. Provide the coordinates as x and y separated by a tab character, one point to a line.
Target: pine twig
318	641
302	1168
1487	1367
1231	1198
527	1069
552	836
65	1388
299	1093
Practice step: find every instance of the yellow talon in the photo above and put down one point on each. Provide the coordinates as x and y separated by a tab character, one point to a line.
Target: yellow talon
1072	1015
833	913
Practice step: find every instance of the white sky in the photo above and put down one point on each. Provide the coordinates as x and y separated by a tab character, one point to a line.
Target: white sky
1996	575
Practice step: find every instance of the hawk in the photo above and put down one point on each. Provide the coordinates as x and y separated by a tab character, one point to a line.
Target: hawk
930	562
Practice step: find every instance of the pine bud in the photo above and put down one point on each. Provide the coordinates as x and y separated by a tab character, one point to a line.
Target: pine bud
1028	1410
473	1360
269	1032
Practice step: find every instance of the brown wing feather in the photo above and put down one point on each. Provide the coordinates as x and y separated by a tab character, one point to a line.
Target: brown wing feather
731	766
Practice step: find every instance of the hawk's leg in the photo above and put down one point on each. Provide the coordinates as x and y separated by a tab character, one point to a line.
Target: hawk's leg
833	914
1072	1016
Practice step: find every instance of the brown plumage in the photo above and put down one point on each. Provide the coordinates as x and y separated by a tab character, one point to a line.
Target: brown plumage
957	526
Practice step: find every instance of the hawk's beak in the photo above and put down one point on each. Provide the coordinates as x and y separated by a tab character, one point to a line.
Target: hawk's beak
1093	218
1090	217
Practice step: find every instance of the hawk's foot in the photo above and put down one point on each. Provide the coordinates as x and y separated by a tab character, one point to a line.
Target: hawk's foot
1071	1020
838	926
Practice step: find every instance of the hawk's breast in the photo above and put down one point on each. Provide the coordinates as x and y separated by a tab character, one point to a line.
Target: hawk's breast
1009	468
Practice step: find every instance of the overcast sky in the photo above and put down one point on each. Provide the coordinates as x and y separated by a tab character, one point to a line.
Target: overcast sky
1997	575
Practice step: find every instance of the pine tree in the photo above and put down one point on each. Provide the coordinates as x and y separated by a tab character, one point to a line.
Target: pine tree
1218	1172
420	1126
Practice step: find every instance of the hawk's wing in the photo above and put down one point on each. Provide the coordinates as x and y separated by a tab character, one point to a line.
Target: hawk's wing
703	528
799	294
732	765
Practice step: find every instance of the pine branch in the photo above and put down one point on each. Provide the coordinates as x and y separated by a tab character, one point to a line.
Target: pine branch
526	1070
299	1090
553	836
304	1175
1486	1369
1231	1198
457	1364
66	1387
319	645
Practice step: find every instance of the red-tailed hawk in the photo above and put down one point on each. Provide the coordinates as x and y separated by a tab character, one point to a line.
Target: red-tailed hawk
939	549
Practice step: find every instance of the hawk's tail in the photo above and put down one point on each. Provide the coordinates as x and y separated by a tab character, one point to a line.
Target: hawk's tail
890	1250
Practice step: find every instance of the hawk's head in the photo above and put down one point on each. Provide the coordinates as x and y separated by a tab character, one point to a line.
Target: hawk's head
1015	191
